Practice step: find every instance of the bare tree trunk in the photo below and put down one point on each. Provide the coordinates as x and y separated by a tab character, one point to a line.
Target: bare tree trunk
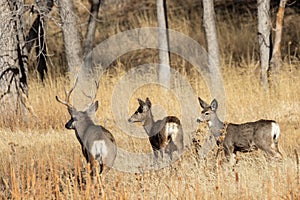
164	74
211	34
90	35
79	62
275	63
212	44
37	34
264	38
71	36
13	59
213	59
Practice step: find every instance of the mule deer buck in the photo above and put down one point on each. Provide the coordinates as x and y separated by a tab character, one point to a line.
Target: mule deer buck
97	143
246	137
165	136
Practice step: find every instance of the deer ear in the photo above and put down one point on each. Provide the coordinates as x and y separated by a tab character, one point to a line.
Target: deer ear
148	102
93	107
203	104
214	105
141	102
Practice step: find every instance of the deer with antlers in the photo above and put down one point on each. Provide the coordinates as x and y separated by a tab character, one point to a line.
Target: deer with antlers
97	143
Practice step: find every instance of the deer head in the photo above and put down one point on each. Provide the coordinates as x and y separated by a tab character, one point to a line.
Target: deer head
78	117
208	114
142	113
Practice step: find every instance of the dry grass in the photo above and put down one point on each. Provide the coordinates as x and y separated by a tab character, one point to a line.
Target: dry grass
42	160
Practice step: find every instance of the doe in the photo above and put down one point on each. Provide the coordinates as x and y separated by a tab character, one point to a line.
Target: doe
97	143
165	136
246	137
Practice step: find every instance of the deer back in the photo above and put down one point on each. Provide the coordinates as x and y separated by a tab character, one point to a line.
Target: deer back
248	136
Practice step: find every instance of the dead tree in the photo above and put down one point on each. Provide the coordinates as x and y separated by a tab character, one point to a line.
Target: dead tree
13	59
264	38
212	44
37	35
90	35
80	62
70	35
164	73
276	62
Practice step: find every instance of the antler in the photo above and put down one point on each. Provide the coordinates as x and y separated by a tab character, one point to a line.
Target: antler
89	96
67	94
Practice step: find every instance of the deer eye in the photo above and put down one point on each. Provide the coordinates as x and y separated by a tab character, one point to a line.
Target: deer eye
140	110
207	113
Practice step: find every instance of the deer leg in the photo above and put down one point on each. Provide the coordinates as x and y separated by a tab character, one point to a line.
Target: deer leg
178	144
85	153
229	153
270	150
278	154
170	150
272	153
155	153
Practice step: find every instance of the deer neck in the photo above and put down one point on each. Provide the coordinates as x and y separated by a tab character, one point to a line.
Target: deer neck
216	127
81	127
148	123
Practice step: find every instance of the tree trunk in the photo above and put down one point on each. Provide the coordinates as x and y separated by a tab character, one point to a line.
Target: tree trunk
264	38
213	61
90	34
37	34
13	59
71	36
211	35
212	45
80	63
275	63
164	74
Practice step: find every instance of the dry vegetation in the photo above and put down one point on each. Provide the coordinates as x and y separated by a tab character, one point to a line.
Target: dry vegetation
42	160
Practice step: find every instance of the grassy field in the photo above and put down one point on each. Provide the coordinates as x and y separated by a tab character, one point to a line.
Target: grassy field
40	159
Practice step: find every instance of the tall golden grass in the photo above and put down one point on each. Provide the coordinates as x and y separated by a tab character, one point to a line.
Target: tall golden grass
43	160
39	159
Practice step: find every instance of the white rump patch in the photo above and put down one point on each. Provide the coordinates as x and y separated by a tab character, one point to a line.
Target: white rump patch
275	131
99	148
172	129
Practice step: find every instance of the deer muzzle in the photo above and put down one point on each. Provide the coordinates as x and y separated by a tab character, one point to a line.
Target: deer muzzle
70	124
199	120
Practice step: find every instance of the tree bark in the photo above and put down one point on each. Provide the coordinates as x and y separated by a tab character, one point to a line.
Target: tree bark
79	62
276	62
164	74
44	7
13	59
90	34
213	60
264	38
212	45
211	35
70	36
